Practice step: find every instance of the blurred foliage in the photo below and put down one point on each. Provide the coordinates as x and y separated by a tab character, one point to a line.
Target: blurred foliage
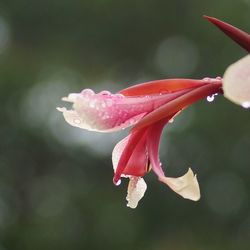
56	188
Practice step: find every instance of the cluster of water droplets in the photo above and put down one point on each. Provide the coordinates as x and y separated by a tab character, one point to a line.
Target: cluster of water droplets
103	111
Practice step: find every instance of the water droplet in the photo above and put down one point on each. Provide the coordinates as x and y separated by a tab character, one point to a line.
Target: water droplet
109	103
218	78
120	95
118	183
87	92
105	92
92	103
210	98
171	120
77	121
103	104
206	79
245	105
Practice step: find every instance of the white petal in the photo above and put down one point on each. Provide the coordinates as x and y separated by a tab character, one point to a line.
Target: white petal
236	82
186	186
74	119
117	151
136	189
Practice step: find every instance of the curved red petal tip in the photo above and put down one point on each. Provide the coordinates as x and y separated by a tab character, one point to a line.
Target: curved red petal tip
239	36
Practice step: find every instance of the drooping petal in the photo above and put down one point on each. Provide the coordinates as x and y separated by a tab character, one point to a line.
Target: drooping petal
236	82
239	36
106	112
136	189
186	186
162	86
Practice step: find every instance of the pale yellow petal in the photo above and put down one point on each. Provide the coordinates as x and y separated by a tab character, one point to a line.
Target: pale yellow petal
186	186
236	82
136	189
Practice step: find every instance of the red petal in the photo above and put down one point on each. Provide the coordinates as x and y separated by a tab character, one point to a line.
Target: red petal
161	86
178	104
153	142
134	139
239	36
137	164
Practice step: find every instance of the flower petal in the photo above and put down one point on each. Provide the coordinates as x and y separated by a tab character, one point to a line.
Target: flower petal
162	86
186	186
117	151
106	112
239	36
236	82
136	186
136	189
129	156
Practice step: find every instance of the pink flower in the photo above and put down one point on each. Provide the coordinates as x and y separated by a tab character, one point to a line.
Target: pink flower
148	107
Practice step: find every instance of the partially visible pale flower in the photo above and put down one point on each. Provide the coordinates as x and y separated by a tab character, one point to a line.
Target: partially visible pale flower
148	107
236	82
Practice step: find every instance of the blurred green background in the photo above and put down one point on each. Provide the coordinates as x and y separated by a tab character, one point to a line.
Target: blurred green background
56	189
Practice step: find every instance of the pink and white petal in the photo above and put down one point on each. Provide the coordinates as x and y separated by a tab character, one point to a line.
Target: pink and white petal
236	82
117	151
106	112
186	186
74	119
136	190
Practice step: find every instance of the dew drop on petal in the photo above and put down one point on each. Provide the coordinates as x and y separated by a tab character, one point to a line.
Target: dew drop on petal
105	92
92	104
210	98
206	79
87	92
109	103
77	121
120	95
245	105
118	183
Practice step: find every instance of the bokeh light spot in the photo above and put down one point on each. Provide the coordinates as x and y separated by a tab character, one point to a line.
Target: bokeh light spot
177	56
